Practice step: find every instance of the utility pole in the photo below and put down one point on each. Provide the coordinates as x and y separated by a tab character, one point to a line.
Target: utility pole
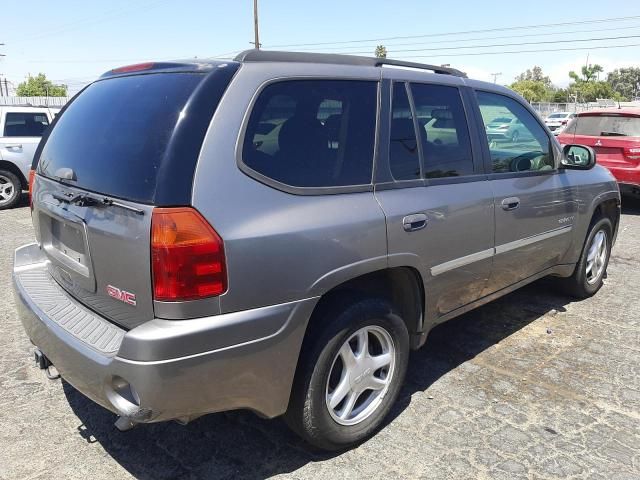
495	76
256	40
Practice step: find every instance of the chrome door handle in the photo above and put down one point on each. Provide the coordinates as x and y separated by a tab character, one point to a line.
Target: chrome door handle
16	146
414	222
510	203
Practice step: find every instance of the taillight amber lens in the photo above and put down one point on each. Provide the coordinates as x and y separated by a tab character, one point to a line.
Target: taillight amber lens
187	256
32	178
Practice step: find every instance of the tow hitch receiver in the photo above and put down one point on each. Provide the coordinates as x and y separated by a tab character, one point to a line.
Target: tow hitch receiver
41	360
45	364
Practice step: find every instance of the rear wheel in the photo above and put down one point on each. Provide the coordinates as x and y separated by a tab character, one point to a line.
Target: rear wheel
592	267
10	189
350	377
515	136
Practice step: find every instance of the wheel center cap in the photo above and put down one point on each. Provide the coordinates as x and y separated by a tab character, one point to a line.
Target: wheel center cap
357	380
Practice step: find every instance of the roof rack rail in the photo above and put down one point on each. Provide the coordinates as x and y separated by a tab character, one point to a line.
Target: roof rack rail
255	55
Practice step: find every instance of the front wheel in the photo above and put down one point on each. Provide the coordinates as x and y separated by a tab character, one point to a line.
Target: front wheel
592	267
349	378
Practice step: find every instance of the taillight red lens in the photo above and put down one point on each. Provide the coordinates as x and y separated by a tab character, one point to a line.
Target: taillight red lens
138	67
187	256
32	178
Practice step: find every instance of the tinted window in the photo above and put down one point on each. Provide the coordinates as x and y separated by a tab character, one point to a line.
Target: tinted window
115	133
313	133
404	157
605	126
444	131
517	142
19	124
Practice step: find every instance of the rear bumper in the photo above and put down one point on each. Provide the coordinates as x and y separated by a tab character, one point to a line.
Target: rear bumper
630	189
176	368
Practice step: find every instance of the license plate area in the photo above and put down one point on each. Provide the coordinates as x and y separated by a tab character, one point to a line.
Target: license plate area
64	240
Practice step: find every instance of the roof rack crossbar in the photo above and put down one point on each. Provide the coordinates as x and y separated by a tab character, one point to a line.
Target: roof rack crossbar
255	55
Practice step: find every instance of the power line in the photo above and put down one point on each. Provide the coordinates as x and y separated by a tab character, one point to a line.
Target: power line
432	42
522	51
489	30
544	42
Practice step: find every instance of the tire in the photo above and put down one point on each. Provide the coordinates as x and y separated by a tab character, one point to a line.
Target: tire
585	282
515	136
10	189
322	374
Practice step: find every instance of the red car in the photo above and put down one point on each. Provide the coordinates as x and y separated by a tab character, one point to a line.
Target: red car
615	136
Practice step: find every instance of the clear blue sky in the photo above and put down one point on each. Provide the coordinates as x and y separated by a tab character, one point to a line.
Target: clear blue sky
74	41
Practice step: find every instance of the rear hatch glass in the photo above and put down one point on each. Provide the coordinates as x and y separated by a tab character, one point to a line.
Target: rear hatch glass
127	141
114	135
605	126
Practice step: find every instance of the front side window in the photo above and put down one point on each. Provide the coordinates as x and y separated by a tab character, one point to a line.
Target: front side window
444	131
313	133
19	124
517	142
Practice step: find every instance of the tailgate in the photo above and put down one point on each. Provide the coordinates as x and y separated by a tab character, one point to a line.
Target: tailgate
99	254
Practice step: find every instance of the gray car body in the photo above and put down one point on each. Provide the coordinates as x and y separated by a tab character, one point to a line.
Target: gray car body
286	249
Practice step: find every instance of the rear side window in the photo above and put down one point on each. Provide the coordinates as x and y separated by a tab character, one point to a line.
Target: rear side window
114	134
313	133
443	130
21	124
605	126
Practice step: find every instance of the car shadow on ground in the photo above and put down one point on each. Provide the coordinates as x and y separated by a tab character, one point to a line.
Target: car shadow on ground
241	445
630	205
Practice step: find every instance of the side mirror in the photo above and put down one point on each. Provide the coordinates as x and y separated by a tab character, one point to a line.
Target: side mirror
578	157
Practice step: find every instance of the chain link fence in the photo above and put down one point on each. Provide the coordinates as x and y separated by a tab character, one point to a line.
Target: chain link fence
547	108
55	102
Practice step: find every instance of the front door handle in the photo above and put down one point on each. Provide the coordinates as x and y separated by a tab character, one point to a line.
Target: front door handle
414	222
510	203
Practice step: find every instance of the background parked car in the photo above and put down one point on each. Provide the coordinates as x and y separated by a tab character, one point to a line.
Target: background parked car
558	121
615	136
20	131
506	128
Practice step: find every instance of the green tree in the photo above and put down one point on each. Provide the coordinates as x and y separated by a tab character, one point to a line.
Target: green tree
381	51
589	72
532	90
625	82
535	74
39	86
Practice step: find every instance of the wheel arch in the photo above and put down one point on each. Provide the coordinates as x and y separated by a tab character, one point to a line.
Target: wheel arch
402	286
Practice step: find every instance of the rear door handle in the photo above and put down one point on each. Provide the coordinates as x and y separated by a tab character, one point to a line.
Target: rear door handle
510	203
414	222
13	146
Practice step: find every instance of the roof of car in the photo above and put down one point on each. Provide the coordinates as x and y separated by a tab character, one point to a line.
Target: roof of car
255	55
611	111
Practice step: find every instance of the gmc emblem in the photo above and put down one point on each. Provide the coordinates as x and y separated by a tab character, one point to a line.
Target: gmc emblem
126	297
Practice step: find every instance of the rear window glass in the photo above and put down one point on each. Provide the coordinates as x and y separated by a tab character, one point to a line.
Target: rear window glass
313	133
20	124
114	135
605	126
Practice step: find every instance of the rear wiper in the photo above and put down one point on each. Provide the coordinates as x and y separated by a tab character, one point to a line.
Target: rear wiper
87	200
612	134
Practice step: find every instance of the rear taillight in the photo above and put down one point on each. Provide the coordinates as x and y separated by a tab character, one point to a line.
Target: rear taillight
632	153
32	178
187	256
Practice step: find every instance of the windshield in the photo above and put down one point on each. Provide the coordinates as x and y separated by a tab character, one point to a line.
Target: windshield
558	115
115	133
605	125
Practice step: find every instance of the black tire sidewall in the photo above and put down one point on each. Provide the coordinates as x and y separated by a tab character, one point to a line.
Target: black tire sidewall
582	287
318	427
17	189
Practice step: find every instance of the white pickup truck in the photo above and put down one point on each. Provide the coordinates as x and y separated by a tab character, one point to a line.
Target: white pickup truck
20	131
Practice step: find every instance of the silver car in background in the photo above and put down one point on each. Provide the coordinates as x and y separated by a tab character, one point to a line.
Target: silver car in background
21	128
556	122
277	232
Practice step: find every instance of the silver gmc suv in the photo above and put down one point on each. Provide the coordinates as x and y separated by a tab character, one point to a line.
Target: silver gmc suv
277	232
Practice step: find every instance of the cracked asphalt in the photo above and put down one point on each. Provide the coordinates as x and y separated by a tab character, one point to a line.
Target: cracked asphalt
533	386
